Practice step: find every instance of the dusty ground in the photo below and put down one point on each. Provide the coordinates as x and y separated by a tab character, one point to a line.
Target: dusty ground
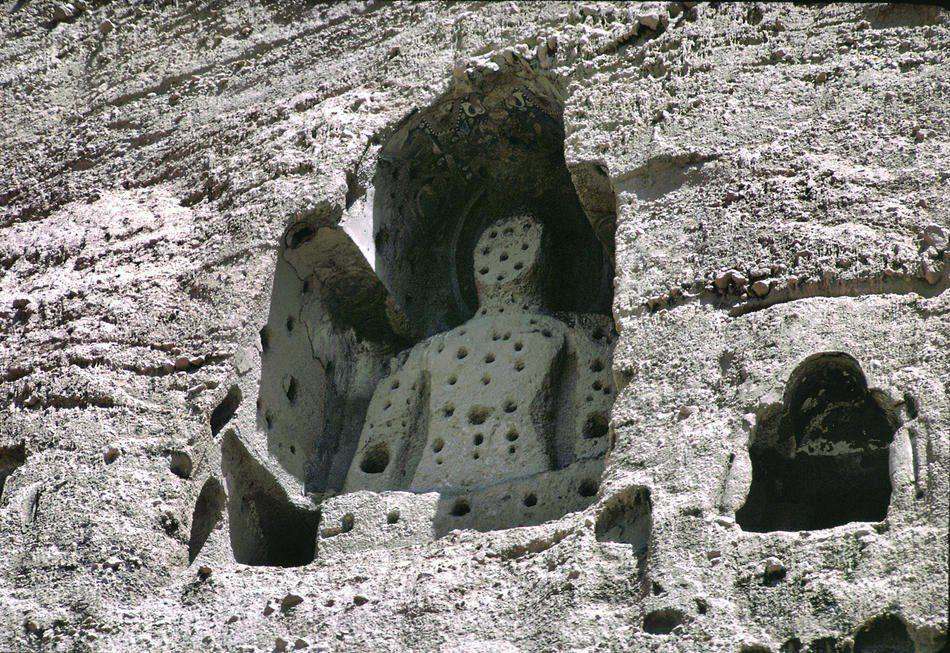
154	154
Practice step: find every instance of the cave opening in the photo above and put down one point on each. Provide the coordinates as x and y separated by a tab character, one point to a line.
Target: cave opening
821	459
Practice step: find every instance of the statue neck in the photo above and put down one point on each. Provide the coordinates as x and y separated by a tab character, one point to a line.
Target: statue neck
529	303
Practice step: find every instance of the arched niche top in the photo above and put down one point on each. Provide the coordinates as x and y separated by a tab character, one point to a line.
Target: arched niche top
836	378
461	164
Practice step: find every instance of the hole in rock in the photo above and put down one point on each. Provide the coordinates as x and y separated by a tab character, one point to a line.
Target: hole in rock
588	488
180	464
225	410
392	516
663	621
821	458
530	500
596	426
292	390
376	460
884	634
209	508
478	414
460	508
10	459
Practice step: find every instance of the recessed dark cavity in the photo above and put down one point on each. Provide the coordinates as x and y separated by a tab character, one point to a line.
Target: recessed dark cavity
663	621
180	464
884	634
596	427
225	410
209	509
375	460
267	526
820	459
10	459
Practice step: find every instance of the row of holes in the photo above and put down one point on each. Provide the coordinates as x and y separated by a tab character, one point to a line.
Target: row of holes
586	489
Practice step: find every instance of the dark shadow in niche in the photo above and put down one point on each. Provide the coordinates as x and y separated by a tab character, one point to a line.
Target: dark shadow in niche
821	458
884	634
10	459
209	509
267	527
225	410
467	161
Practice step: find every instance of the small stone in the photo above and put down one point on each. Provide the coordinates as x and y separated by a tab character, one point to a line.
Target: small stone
686	411
113	563
110	453
722	280
761	288
106	27
269	608
204	572
359	599
289	601
934	236
652	19
773	565
300	643
280	644
181	363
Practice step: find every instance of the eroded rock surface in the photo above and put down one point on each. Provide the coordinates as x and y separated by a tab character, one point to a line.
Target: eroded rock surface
225	228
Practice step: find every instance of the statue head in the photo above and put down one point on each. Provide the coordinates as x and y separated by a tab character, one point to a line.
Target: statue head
507	262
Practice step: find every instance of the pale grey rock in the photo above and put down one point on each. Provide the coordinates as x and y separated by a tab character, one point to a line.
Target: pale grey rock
203	209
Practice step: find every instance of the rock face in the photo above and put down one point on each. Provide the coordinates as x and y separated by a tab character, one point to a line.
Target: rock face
234	238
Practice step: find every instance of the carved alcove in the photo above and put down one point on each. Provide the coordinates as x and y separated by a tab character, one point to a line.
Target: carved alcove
504	414
821	458
356	299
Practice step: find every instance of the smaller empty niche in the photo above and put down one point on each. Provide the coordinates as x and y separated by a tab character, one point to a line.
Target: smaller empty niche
820	459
